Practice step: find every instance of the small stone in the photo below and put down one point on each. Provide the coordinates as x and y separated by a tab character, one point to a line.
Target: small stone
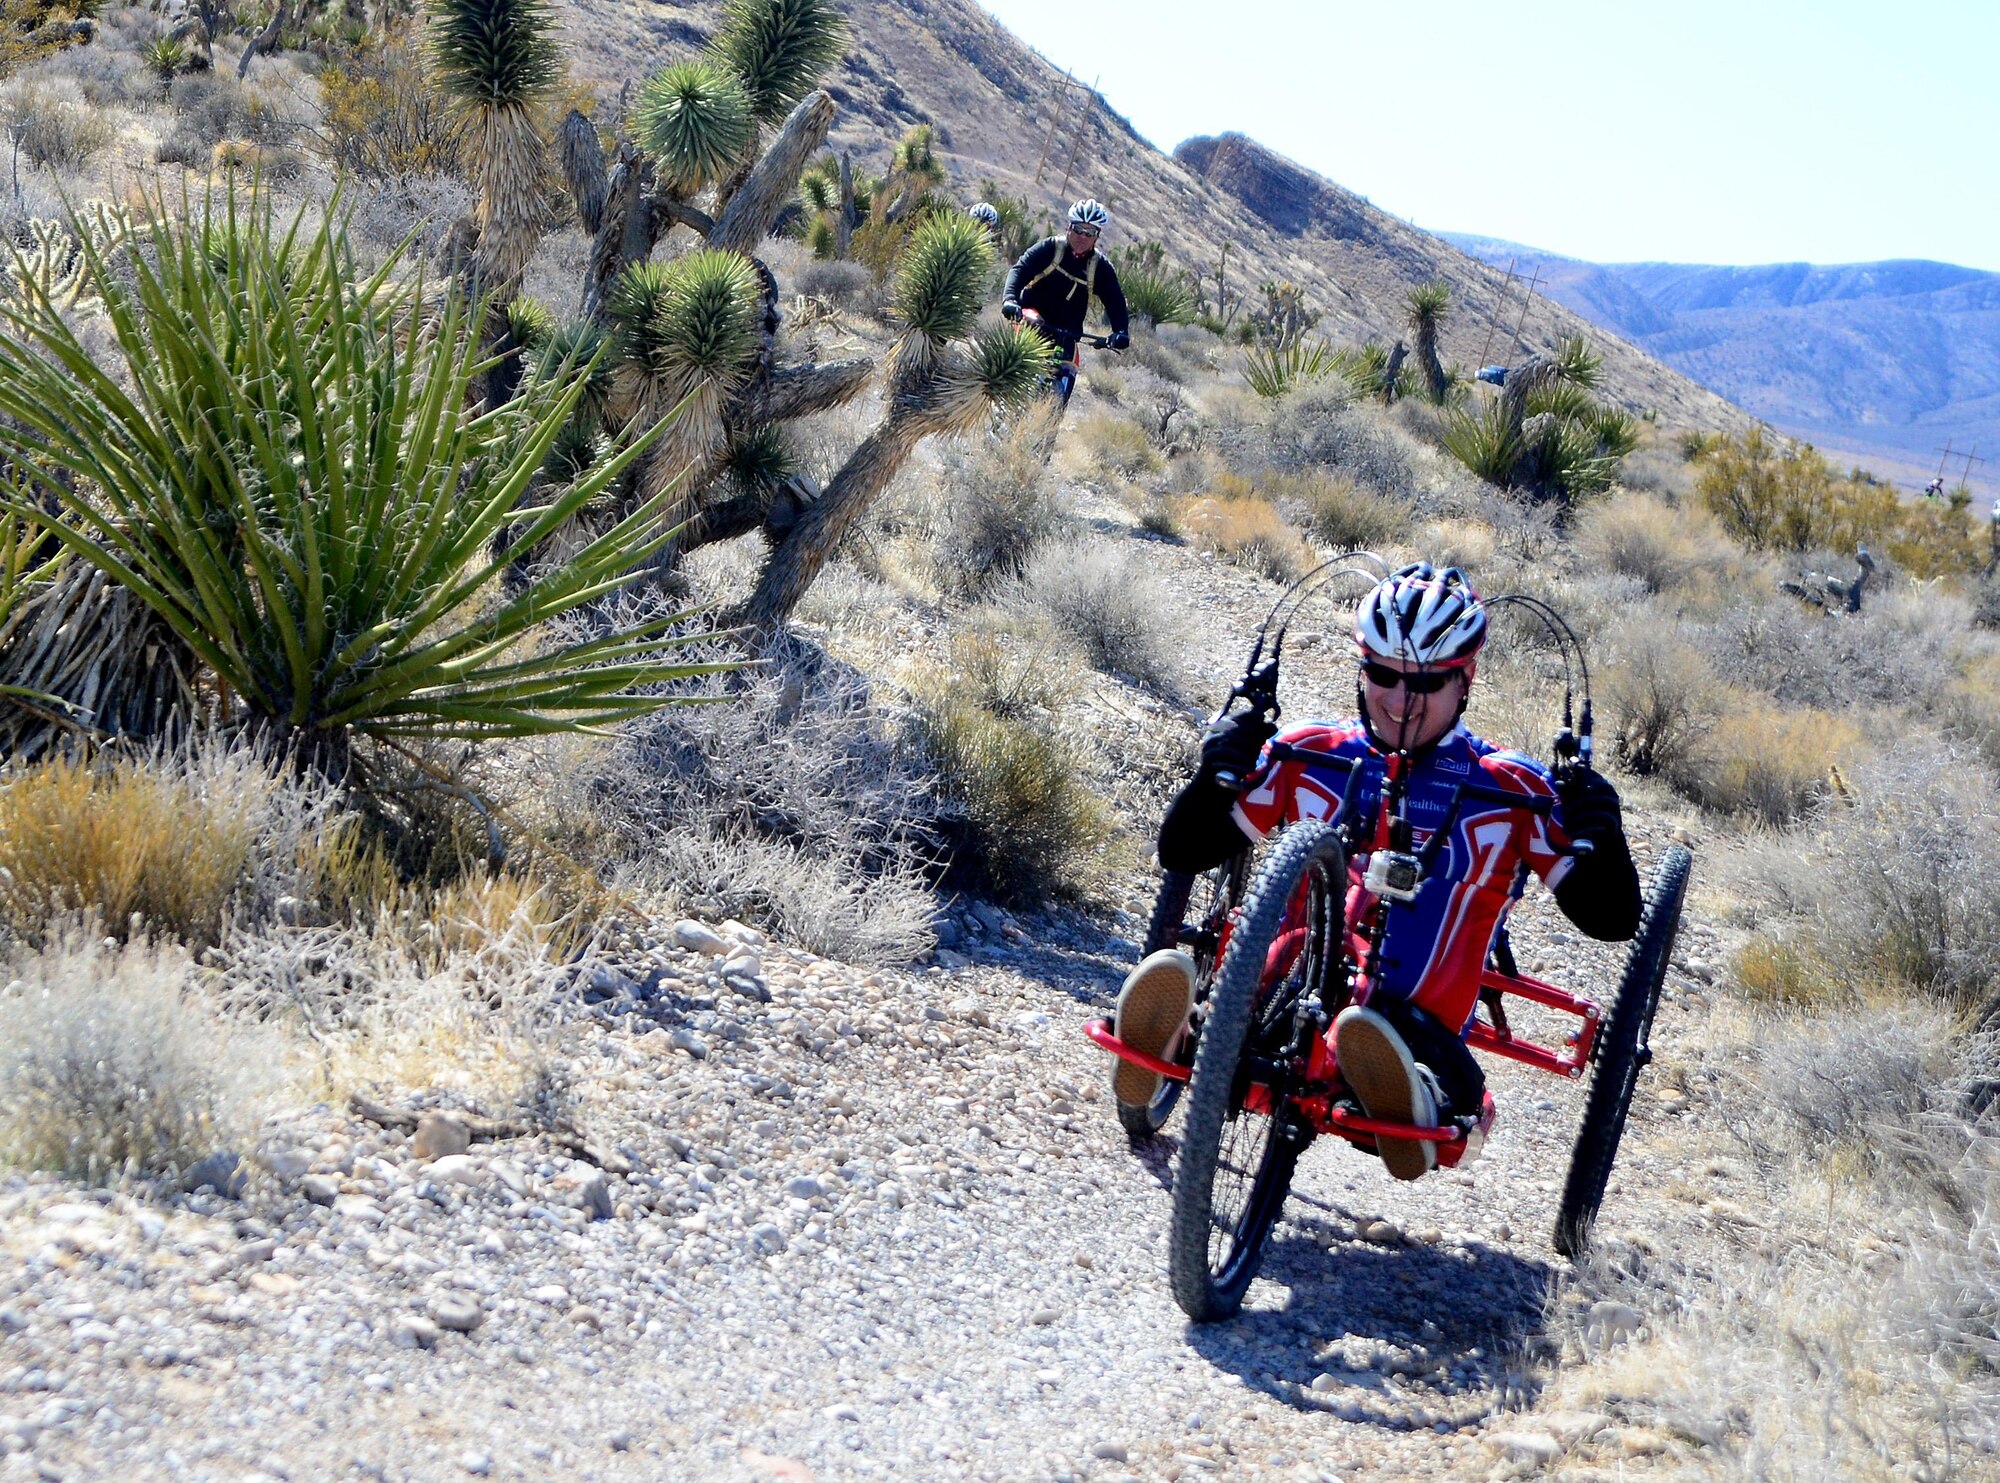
221	1172
1503	1232
1536	1447
286	1163
1684	836
12	1321
841	1413
1043	1317
477	1463
356	1207
510	1174
1612	1323
699	938
585	1316
590	1192
620	1440
459	1168
1110	1452
414	1331
1381	1232
1429	1235
805	1187
457	1311
1324	1383
321	1189
438	1135
767	1239
686	1040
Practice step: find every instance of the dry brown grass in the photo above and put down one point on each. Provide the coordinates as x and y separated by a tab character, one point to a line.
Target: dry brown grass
1666	547
1247	531
1113	445
123	841
1763	760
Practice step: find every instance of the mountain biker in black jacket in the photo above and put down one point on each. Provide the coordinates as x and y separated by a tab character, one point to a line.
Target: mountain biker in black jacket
1058	275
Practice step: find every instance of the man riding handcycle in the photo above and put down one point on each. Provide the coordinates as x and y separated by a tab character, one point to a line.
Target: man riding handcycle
1336	987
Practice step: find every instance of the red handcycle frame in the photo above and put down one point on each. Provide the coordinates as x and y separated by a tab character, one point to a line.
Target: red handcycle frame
1322	1073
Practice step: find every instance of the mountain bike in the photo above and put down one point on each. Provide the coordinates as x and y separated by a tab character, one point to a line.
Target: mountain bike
1062	380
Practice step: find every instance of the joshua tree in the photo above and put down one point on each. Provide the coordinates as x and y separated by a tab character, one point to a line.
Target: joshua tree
497	57
1424	313
934	387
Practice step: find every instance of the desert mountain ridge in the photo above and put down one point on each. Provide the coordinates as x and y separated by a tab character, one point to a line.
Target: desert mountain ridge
994	104
1885	362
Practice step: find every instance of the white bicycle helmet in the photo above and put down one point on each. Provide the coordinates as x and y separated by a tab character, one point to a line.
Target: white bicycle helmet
1421	615
1089	213
983	213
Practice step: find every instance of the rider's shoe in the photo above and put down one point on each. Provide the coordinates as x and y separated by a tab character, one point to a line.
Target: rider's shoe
1385	1076
1153	1009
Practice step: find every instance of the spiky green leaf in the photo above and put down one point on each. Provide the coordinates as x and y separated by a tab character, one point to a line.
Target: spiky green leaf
276	458
780	49
942	278
695	119
1425	309
495	53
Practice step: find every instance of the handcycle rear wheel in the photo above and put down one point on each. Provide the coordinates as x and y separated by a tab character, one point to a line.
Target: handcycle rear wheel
1188	912
1622	1052
1236	1165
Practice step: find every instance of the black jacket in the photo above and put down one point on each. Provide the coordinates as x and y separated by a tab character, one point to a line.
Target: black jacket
1058	286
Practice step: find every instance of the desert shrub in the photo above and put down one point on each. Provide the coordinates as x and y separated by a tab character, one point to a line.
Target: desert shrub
1659	694
1340	514
55	131
1157	516
1155	291
996	504
831	905
1900	651
1764	760
385	116
1662	546
1248	532
419	207
840	283
184	841
798	772
1031	827
1115	445
1317	428
181	149
1109	604
1787	497
114	1064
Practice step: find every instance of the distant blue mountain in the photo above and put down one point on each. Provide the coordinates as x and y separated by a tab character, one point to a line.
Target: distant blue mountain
1880	361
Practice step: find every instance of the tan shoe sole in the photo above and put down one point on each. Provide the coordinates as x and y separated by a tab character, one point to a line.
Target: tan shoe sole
1377	1065
1153	1010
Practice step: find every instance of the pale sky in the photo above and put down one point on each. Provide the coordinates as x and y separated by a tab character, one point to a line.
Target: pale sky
1711	131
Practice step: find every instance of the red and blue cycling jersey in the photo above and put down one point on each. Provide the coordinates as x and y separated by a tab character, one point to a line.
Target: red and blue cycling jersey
1433	947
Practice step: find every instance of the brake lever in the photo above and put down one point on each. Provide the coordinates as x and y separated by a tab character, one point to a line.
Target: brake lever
1260	688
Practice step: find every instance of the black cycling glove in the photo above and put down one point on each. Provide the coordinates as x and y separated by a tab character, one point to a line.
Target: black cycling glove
1010	310
1229	747
1587	808
1120	340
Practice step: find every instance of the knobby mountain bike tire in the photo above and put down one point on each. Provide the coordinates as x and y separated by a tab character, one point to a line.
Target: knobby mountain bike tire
1236	1166
1622	1052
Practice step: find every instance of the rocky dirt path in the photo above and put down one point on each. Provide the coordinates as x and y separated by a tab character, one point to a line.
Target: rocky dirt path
881	1226
856	1225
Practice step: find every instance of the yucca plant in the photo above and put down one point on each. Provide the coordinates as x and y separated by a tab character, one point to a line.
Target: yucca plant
939	383
1485	441
497	59
1273	369
1154	291
696	120
687	334
1546	434
1424	313
279	464
779	49
164	56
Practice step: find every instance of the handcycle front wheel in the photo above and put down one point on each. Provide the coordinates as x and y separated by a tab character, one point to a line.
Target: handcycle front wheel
1189	912
1236	1164
1622	1051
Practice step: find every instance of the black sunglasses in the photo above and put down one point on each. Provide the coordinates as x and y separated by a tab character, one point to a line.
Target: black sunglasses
1424	682
1084	231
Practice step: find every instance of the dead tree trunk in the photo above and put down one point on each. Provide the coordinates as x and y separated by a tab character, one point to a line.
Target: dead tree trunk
1393	371
583	169
845	222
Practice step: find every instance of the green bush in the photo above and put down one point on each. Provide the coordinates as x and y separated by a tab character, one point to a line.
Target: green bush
1031	829
277	461
1154	292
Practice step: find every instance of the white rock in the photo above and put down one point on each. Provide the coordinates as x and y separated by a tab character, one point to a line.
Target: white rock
767	1239
1537	1447
1612	1323
1110	1452
413	1331
459	1168
286	1163
804	1187
321	1189
1381	1232
457	1311
686	1040
697	937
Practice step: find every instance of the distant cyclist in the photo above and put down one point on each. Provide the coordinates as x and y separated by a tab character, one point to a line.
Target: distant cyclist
1058	277
984	213
1417	640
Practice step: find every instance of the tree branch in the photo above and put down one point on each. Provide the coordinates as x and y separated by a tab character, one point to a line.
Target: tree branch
747	219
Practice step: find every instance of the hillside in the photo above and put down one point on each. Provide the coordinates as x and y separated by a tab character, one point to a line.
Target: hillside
992	100
1881	361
